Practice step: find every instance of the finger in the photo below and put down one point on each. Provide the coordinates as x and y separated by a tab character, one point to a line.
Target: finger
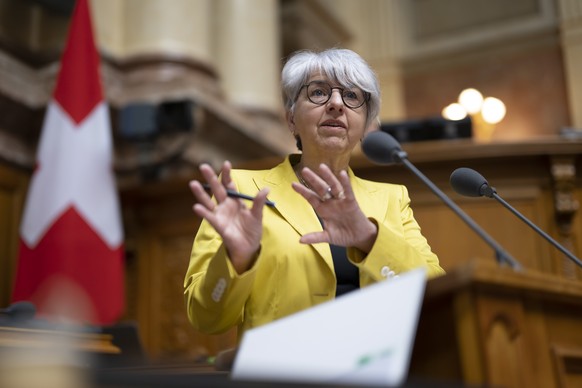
315	238
225	175
209	216
346	185
201	195
335	186
317	184
314	181
203	212
327	175
327	195
259	203
311	196
218	190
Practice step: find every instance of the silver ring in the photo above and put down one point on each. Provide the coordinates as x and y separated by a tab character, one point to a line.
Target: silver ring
327	195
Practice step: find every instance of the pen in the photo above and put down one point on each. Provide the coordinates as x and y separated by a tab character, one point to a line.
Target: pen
236	194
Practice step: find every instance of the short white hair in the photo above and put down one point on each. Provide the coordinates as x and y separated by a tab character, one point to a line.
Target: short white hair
343	66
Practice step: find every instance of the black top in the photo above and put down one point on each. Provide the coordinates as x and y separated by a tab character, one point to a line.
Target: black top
347	274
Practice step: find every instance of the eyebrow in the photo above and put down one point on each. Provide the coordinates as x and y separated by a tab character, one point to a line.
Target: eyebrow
335	84
317	80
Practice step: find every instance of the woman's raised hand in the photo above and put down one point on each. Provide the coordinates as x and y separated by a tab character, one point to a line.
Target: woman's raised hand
239	226
334	202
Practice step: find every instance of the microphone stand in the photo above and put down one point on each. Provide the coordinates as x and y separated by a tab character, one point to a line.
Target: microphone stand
501	255
536	228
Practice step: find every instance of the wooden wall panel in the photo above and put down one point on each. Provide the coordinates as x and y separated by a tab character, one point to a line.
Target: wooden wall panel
13	185
160	228
428	90
455	243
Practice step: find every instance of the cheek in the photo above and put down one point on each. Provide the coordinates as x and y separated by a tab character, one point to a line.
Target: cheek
306	118
358	126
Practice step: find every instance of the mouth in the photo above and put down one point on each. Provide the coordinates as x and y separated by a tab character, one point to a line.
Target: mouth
333	124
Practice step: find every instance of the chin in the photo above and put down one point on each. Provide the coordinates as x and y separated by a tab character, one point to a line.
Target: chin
338	146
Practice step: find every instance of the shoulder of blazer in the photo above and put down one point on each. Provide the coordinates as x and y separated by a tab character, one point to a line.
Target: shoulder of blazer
377	198
257	179
374	186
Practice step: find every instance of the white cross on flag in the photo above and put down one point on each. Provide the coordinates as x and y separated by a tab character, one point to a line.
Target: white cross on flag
71	237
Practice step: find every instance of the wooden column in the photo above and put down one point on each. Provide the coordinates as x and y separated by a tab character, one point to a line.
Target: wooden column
248	53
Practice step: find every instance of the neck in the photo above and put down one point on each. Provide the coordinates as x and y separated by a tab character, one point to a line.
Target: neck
334	163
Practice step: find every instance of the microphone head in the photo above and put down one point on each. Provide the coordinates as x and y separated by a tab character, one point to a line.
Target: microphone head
470	183
20	311
382	148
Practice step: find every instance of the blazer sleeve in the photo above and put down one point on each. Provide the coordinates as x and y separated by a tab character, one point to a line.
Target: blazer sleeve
399	246
215	294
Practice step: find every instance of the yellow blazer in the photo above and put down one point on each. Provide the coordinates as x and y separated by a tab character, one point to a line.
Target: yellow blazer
289	276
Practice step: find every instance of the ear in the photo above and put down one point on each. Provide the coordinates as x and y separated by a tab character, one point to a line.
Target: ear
290	122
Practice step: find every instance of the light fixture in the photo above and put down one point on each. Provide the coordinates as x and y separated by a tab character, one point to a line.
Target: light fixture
472	100
485	112
454	111
493	110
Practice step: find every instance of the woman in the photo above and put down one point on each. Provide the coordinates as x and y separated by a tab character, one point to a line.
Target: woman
329	232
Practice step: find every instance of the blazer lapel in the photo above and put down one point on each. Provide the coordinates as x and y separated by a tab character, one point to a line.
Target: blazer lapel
301	216
292	206
372	201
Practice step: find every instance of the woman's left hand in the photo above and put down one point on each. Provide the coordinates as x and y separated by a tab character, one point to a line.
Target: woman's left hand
333	200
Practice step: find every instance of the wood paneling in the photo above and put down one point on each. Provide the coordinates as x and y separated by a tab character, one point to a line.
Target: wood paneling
535	97
499	327
12	192
160	227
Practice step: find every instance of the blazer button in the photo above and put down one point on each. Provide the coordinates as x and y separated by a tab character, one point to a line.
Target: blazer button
385	271
218	290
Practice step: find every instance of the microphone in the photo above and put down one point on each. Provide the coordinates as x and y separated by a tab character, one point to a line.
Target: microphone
381	148
470	183
19	311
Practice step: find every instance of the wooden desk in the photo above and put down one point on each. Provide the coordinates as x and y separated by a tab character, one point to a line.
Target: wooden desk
482	324
37	339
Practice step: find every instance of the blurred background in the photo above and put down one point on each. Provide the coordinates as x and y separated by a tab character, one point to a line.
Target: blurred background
191	81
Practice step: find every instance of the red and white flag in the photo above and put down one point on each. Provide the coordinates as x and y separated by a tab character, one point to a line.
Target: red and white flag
71	237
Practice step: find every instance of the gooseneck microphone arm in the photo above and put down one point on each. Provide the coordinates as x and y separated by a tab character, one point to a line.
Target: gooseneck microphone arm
380	147
537	229
500	254
469	182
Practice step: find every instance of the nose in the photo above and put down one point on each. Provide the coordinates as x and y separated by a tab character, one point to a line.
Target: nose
335	100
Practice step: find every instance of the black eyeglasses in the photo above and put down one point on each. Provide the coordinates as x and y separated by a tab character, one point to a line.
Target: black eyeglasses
319	92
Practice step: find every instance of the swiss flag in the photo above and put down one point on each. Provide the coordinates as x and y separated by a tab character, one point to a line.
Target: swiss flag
71	238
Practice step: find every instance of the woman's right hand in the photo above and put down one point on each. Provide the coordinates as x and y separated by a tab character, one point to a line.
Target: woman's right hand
240	227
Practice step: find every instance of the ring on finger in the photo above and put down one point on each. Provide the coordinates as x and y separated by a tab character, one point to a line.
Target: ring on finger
327	195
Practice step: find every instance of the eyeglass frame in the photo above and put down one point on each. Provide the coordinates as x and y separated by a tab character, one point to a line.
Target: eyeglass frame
366	94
